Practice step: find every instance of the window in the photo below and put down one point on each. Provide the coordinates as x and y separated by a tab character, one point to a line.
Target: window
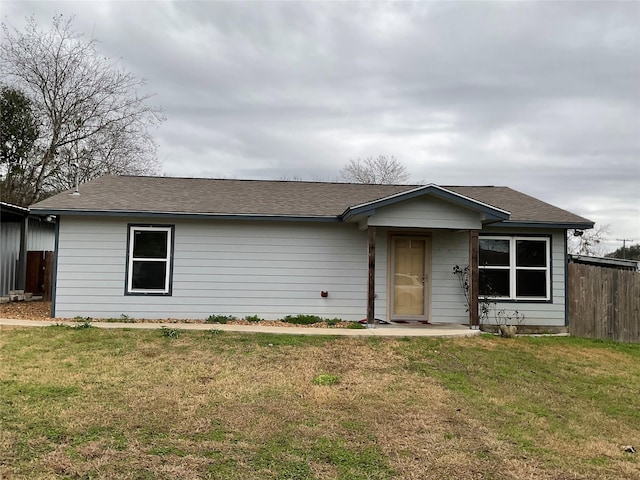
516	268
149	260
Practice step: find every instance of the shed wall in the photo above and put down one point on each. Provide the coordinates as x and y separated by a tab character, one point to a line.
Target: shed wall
40	236
10	249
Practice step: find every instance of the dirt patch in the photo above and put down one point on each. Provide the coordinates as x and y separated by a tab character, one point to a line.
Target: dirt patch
36	310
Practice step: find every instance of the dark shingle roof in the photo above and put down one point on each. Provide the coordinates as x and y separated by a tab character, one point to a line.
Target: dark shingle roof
128	194
523	208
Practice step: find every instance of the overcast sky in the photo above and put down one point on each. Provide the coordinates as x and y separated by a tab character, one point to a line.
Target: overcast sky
543	97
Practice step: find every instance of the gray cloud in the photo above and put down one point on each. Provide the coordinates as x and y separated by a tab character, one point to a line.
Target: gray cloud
540	96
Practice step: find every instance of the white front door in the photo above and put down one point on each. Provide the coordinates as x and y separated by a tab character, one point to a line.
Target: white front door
409	278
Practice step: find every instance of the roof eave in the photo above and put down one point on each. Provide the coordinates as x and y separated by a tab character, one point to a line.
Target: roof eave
15	209
538	224
190	215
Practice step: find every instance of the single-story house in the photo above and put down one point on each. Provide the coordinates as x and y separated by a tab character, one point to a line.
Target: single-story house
186	248
21	232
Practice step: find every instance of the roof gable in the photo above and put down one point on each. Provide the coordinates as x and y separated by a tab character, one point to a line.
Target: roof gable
431	190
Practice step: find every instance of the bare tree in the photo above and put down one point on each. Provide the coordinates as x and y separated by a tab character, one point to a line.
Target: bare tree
379	170
93	114
587	242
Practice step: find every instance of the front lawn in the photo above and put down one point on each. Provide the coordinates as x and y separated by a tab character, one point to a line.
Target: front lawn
116	404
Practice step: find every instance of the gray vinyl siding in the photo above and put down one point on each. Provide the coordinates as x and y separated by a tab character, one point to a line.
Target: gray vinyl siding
270	269
448	249
426	212
229	268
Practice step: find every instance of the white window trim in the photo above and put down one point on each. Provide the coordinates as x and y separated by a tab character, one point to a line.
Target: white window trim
513	268
167	259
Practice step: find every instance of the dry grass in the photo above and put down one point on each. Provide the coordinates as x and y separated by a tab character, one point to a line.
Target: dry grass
92	403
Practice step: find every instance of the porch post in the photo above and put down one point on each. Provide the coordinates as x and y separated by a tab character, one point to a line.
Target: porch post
474	320
371	291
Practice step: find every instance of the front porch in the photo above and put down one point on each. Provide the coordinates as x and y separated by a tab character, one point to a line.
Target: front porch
444	226
410	272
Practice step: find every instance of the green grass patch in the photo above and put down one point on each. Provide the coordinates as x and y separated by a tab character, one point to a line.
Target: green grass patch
519	384
284	458
326	380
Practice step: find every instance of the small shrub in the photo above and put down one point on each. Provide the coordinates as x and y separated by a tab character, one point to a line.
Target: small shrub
85	324
326	380
253	318
219	319
82	319
504	317
169	332
126	318
214	332
302	319
332	322
356	326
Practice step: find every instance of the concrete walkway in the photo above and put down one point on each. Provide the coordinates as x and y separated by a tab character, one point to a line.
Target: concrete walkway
432	330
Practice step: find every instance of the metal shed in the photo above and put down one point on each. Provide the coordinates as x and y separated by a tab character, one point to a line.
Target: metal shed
21	232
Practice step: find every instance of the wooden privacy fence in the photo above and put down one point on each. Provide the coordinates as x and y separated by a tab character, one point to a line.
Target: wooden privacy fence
604	303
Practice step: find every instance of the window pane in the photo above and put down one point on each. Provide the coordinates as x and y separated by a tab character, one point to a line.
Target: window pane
531	253
149	244
494	283
494	252
149	275
531	283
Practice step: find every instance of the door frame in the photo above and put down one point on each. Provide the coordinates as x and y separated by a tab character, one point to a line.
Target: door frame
392	236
